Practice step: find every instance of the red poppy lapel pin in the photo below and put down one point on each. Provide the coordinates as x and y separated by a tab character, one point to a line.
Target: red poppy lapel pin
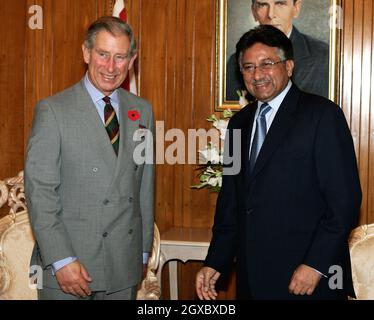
133	115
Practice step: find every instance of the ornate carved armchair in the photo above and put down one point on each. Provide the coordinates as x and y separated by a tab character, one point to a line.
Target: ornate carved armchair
361	245
17	242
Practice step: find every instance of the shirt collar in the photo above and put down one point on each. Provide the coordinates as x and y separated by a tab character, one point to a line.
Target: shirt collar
96	95
277	101
289	35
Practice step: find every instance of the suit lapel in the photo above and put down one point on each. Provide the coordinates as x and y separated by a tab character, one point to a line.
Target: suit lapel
246	129
283	120
127	144
94	125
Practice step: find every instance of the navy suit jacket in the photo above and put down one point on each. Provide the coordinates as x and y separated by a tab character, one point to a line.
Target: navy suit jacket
297	206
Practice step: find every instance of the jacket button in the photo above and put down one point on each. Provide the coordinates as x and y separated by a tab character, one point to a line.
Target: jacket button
130	231
105	202
249	211
105	234
136	168
130	199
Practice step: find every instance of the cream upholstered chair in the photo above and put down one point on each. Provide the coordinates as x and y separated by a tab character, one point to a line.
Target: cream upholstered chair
361	245
150	288
17	242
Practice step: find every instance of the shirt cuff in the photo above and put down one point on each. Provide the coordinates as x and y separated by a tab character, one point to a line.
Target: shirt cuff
319	273
145	257
62	263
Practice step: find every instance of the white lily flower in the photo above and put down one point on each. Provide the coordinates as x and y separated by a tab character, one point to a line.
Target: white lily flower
203	156
214	156
213	181
209	171
221	125
243	102
209	155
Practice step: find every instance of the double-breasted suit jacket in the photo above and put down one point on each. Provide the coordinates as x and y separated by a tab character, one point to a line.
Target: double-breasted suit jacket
83	200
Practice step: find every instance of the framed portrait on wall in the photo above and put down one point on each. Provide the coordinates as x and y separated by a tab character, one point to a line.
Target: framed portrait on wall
315	38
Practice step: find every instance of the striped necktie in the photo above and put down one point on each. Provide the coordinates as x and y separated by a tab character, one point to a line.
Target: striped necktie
260	134
111	124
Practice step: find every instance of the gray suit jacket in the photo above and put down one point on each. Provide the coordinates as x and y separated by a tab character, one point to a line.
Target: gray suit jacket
83	200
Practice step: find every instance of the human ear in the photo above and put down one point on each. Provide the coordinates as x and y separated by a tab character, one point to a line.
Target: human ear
297	8
86	54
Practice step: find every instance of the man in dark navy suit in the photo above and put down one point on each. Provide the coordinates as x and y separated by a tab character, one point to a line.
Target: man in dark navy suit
286	216
311	56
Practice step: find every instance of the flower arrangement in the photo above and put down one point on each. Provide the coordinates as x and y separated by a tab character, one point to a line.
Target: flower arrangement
211	158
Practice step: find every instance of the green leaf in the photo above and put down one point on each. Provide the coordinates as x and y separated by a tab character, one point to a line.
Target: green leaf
212	118
227	113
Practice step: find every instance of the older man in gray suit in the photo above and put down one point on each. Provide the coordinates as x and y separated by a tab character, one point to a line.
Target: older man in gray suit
90	202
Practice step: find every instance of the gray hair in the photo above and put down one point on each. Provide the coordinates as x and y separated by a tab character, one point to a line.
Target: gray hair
113	25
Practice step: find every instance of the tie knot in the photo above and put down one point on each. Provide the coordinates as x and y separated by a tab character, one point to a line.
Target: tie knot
106	99
264	109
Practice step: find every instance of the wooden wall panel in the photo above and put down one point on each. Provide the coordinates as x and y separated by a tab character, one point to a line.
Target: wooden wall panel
176	60
54	56
357	92
157	74
12	56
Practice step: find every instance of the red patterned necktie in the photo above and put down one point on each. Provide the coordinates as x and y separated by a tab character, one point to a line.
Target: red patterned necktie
111	124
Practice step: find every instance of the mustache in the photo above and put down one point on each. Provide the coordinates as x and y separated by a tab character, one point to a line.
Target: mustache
260	81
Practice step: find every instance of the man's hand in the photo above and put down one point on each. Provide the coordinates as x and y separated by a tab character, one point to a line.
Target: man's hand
304	280
205	283
73	279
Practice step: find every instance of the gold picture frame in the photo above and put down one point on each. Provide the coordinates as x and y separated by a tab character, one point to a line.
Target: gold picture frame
331	11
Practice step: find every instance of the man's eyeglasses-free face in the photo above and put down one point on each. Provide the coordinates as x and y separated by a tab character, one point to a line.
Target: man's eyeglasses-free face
249	68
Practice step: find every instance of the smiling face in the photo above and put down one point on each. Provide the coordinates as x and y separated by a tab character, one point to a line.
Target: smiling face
265	85
108	61
278	13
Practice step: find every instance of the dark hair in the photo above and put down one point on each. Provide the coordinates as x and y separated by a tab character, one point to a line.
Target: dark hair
113	25
267	35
